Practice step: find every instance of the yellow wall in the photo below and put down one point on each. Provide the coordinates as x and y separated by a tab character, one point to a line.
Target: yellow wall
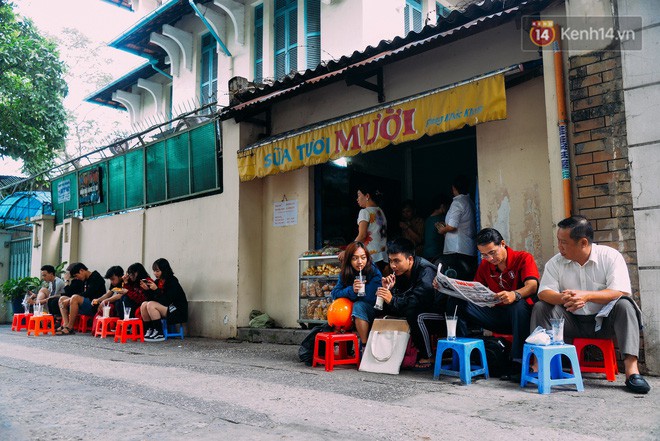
514	179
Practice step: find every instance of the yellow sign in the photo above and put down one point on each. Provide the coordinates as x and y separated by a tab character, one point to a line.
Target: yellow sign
438	112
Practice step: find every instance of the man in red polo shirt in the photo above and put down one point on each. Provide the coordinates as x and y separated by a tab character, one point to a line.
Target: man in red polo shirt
514	277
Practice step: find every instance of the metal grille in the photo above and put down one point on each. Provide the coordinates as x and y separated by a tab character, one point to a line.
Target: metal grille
204	163
116	185
155	173
180	166
135	185
20	257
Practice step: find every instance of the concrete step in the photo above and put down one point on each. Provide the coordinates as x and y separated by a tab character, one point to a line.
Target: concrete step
282	336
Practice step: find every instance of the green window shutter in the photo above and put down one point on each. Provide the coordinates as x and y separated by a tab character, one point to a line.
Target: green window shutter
441	11
412	15
313	32
258	43
209	70
286	37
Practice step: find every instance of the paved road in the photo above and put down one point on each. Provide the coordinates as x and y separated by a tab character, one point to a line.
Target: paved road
81	388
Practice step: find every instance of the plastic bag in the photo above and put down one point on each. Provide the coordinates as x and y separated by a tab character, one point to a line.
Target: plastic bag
260	319
539	337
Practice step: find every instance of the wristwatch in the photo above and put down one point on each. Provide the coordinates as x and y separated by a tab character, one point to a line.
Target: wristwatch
518	296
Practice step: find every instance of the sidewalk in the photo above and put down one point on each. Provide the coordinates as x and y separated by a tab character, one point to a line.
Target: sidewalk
78	387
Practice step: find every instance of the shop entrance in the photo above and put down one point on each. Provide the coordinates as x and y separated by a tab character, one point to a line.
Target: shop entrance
416	170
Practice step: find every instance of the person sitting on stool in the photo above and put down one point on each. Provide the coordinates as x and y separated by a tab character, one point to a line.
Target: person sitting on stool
588	285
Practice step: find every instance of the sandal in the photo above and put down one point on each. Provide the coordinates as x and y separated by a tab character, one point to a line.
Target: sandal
421	366
66	331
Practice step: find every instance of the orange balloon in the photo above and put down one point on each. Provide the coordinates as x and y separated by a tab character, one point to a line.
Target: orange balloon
339	314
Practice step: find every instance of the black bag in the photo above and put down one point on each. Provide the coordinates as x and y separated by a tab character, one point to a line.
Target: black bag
306	350
498	355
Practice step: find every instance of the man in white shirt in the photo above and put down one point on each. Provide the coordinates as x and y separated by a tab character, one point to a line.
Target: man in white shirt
589	286
460	229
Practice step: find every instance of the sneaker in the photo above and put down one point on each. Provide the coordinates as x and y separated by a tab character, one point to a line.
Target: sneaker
157	336
149	333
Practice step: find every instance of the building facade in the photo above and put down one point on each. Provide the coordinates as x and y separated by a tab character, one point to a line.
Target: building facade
307	71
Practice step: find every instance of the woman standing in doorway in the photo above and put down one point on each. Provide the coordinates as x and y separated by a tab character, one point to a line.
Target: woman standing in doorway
372	225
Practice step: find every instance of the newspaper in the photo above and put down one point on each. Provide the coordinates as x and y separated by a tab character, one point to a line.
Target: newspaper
473	292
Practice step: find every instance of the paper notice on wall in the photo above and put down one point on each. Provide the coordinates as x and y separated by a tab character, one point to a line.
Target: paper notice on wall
285	213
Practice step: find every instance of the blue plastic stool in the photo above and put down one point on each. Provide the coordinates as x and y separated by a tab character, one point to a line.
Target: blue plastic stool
168	330
460	366
550	369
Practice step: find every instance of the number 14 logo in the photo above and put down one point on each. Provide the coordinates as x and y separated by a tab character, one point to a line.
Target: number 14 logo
542	32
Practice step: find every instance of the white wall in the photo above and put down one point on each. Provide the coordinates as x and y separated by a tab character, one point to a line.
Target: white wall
641	73
514	179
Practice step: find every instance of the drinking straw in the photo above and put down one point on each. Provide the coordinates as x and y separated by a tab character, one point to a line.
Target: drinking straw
456	311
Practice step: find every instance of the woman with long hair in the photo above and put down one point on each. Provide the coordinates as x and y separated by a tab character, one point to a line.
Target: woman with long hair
134	293
372	224
166	300
357	261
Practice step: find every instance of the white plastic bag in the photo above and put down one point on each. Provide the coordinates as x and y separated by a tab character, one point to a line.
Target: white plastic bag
539	337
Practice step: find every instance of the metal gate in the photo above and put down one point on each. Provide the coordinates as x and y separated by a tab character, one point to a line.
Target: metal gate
20	257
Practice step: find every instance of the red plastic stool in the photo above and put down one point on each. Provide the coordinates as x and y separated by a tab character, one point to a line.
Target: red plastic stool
104	326
608	366
20	321
83	323
129	329
330	360
42	324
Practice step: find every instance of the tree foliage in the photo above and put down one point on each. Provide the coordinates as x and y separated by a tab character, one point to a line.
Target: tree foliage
32	89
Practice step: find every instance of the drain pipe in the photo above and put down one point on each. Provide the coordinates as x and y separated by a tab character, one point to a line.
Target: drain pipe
562	124
157	69
209	27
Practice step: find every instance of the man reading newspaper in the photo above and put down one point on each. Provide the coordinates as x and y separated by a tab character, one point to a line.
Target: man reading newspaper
512	279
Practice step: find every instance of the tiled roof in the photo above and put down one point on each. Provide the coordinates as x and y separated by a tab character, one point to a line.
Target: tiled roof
459	24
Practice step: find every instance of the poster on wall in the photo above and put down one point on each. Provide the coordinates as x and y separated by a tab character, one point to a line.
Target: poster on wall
285	213
90	191
63	191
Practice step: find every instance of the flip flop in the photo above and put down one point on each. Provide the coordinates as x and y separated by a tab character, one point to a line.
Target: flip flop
423	366
66	331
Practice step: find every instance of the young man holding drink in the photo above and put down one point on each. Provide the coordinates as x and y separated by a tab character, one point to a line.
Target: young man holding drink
409	292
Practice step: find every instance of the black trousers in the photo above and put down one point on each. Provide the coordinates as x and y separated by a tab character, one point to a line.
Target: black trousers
505	319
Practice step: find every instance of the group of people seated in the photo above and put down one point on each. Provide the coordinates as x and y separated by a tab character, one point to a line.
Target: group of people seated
587	284
133	294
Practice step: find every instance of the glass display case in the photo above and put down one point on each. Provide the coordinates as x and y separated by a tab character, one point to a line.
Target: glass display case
317	276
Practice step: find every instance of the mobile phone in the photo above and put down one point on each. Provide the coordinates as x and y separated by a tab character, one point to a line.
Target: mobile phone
145	281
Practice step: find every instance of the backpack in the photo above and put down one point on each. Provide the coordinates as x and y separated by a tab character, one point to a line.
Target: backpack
306	349
498	353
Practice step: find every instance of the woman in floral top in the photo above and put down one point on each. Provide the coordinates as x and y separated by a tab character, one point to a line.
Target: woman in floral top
372	225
